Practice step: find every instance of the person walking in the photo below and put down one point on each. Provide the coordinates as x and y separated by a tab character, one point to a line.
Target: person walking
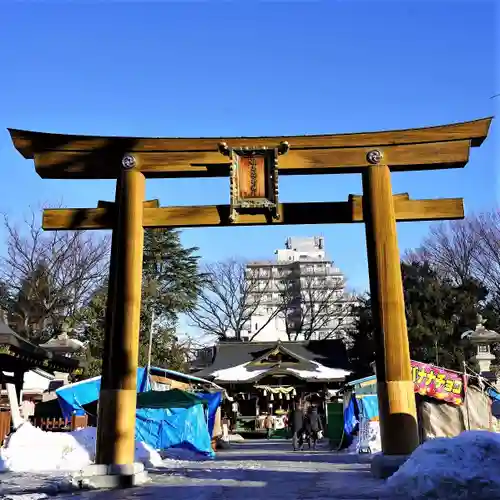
313	426
296	424
268	425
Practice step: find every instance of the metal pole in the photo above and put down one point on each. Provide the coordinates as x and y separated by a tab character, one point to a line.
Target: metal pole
150	342
466	402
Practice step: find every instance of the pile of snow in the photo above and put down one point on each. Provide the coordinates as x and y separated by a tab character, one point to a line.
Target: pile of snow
466	466
236	438
30	449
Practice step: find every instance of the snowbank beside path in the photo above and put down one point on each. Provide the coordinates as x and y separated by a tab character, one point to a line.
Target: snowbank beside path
463	467
30	449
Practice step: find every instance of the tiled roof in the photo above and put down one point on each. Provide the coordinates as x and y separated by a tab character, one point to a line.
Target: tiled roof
330	353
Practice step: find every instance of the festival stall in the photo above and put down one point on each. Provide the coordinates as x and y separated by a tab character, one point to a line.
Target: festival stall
165	417
448	403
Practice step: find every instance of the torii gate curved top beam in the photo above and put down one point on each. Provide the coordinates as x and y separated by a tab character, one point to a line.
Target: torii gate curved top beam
61	156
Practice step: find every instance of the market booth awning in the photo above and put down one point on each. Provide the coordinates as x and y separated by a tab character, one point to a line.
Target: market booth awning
428	380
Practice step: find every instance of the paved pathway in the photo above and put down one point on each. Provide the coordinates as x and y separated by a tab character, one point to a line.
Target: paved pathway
258	470
254	470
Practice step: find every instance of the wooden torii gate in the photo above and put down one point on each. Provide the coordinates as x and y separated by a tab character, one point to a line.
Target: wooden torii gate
253	165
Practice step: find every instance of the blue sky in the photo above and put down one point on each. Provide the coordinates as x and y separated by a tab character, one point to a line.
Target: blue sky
247	68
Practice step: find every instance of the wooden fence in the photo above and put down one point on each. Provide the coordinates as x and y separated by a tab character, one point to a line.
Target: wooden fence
60	424
46	424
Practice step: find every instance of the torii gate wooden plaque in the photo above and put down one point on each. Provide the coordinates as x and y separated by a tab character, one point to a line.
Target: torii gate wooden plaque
253	165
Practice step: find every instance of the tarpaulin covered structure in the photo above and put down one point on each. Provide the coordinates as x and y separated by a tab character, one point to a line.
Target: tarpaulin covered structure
72	398
360	400
438	419
164	419
213	400
175	418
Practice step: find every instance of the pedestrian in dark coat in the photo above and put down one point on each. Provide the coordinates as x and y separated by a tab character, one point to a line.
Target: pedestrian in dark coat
313	425
296	426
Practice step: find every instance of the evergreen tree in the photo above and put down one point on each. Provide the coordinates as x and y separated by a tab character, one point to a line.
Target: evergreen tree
171	281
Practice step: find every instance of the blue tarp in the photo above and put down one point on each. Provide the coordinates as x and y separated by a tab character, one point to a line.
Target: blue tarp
214	401
493	394
350	420
161	428
73	397
164	428
368	406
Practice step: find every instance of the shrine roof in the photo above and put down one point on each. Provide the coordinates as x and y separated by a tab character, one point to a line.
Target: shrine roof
330	353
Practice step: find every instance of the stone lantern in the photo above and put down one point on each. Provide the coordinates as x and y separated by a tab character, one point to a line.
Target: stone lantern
63	345
482	339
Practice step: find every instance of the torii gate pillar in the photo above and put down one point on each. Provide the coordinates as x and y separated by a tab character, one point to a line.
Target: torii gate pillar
397	408
117	402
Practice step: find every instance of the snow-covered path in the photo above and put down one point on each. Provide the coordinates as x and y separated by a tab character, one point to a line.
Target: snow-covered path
256	470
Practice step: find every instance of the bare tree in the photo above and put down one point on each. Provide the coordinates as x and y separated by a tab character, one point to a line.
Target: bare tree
486	227
315	306
463	250
451	249
231	296
49	275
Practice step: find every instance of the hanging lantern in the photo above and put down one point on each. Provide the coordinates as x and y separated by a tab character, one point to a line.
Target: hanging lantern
294	392
272	397
280	396
288	396
265	392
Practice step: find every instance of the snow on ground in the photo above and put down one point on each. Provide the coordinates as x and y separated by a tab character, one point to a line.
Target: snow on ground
463	467
257	469
236	438
31	449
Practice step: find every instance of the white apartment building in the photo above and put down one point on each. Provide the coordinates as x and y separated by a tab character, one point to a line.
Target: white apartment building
299	296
